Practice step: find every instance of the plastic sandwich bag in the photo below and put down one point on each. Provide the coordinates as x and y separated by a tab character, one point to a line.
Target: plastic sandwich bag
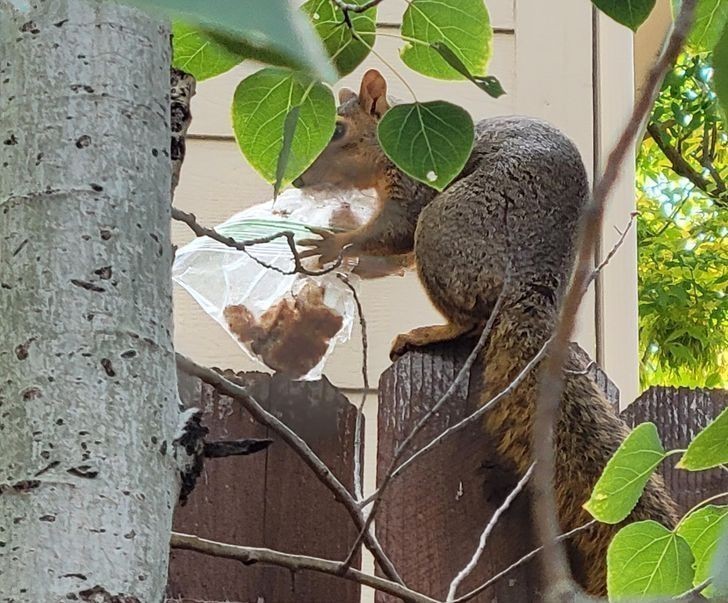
289	322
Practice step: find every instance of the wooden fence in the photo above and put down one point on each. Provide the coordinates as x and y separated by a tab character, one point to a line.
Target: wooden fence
430	519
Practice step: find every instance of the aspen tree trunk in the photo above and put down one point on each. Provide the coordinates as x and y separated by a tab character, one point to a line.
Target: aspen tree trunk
88	389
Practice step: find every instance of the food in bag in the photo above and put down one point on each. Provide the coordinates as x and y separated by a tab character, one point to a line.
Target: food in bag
289	322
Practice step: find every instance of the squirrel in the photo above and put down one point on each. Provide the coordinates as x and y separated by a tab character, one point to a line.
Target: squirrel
504	228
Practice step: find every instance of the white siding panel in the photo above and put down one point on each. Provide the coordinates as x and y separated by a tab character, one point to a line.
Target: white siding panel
554	67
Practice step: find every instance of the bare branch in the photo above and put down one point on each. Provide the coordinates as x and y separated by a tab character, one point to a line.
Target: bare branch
692	594
298	445
679	165
251	555
557	574
298	267
358	470
465	572
502	574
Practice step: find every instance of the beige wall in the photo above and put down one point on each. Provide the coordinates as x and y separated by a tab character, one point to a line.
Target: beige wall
648	40
545	54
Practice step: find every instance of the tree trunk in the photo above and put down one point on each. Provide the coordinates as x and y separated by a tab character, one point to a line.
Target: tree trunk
88	394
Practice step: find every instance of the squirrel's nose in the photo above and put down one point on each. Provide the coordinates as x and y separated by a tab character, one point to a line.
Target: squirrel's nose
298	182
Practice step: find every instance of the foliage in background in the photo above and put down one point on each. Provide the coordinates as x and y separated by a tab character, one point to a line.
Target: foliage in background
682	171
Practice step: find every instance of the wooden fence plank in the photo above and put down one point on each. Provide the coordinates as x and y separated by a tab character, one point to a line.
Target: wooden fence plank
432	517
270	498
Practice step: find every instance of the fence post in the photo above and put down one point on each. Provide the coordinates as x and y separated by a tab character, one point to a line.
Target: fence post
270	498
432	517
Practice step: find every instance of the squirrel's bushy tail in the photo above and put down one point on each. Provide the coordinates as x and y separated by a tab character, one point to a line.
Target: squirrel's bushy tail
588	433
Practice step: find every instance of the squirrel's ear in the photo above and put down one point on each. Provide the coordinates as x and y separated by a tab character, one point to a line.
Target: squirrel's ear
346	94
373	93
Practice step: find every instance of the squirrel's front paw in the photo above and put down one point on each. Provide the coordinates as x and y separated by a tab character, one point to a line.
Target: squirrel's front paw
328	248
401	345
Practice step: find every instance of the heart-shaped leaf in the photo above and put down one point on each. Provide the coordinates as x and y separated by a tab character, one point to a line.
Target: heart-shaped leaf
645	558
261	106
626	474
631	13
709	448
463	26
197	52
429	141
271	29
702	530
347	50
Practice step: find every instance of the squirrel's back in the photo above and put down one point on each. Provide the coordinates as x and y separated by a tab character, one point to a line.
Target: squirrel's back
513	210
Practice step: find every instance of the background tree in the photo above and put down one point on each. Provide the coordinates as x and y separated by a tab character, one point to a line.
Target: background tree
682	170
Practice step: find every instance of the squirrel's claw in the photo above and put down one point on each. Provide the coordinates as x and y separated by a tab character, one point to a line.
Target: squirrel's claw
400	346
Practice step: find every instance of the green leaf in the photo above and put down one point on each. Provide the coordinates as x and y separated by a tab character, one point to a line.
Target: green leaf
261	106
645	558
464	26
346	50
720	64
429	141
488	83
198	53
626	474
270	30
711	17
631	13
702	530
709	448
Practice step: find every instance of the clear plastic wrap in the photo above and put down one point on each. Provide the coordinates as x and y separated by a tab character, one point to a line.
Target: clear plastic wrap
289	322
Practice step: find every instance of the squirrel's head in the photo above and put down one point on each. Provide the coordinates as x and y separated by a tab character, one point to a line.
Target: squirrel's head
353	158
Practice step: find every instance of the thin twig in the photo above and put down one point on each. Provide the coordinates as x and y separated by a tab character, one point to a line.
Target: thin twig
527	557
250	555
557	574
463	373
467	420
358	470
693	593
299	446
298	267
470	566
679	164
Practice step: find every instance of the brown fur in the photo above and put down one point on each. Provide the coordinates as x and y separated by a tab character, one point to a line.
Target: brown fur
505	227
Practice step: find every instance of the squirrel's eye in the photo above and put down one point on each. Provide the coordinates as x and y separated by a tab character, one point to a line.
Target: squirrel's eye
339	130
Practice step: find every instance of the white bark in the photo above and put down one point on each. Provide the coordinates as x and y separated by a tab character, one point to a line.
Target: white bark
88	394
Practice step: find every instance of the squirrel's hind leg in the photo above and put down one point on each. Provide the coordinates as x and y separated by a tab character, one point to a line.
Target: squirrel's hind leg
423	336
